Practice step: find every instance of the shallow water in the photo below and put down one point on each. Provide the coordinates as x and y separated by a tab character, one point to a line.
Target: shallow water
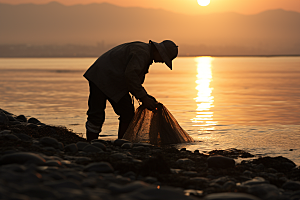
249	103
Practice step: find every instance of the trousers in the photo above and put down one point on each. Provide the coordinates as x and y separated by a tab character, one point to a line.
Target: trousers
97	104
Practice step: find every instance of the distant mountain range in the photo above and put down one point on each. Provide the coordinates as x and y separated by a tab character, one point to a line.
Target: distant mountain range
267	33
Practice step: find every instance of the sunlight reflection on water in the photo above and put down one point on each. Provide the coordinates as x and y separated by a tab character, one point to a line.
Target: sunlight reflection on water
204	99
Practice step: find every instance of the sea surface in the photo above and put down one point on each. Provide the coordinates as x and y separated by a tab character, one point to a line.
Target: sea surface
248	103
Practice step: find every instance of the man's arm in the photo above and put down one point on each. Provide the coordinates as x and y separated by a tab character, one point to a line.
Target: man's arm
136	68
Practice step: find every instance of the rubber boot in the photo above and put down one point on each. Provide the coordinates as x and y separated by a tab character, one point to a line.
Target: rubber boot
122	129
91	136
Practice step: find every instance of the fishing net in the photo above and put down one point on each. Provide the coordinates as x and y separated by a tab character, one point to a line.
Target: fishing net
155	127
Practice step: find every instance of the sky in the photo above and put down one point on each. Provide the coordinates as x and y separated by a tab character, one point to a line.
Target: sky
246	7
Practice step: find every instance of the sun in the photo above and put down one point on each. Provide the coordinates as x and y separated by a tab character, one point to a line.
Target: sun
203	2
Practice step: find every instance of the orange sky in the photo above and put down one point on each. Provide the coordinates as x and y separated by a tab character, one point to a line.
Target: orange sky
188	6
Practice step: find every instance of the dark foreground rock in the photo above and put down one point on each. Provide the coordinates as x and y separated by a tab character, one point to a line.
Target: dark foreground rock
39	161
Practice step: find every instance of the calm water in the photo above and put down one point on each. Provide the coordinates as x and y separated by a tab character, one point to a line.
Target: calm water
246	103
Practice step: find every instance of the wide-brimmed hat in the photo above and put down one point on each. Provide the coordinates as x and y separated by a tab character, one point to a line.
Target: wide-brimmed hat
168	50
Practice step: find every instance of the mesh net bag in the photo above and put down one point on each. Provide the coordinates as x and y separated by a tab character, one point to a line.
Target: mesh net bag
155	127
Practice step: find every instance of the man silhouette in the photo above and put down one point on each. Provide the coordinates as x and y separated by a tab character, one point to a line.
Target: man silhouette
117	73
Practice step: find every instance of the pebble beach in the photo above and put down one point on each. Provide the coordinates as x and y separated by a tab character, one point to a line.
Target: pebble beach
40	161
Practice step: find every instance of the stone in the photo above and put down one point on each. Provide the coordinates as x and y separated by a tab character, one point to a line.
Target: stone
5	132
81	145
190	173
50	142
264	191
33	126
60	146
21	118
220	162
100	140
116	188
63	184
99	145
100	167
291	185
11	118
72	148
139	148
229	185
152	192
11	137
119	142
23	136
127	146
278	163
92	149
150	179
255	181
55	163
230	196
185	161
3	118
22	158
118	156
142	145
40	192
33	120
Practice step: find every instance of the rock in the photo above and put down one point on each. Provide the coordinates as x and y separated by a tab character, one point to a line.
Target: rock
22	158
140	148
72	148
92	149
60	146
116	188
63	184
255	181
81	145
100	140
5	132
150	179
291	185
100	167
190	173
49	142
152	192
55	163
220	162
33	120
40	192
74	194
33	126
21	118
119	142
23	136
127	146
142	145
185	161
3	118
99	145
118	156
264	191
229	185
230	196
10	137
279	163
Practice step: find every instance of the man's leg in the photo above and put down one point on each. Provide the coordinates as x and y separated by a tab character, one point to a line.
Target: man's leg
96	112
125	109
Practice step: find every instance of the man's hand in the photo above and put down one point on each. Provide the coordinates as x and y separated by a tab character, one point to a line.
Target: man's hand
149	102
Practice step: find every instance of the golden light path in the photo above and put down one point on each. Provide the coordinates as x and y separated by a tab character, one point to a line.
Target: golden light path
204	99
203	2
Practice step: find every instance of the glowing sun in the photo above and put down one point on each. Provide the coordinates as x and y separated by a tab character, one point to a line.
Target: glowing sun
203	2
